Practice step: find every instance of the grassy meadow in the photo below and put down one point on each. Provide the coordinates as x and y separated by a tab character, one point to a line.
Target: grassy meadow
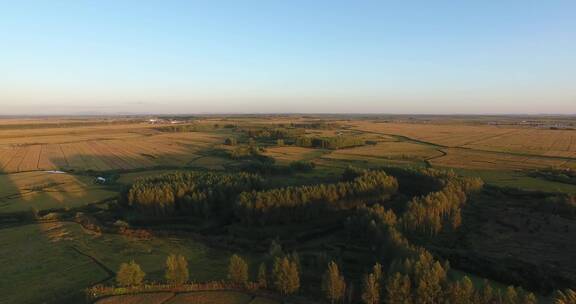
57	260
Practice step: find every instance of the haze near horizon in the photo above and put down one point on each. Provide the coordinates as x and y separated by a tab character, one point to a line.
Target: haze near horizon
422	57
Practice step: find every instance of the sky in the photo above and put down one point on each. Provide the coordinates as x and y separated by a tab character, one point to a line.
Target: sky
397	57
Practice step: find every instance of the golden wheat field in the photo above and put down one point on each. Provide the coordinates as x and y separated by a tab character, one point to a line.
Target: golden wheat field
100	148
83	145
534	141
471	159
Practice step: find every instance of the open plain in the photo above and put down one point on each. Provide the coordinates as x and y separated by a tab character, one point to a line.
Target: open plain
64	183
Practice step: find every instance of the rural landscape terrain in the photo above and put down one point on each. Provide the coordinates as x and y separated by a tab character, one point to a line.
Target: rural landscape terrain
264	209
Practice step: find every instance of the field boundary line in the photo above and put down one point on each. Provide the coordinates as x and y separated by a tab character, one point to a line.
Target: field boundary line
476	149
108	271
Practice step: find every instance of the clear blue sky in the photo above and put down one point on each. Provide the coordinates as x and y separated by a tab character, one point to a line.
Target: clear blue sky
288	56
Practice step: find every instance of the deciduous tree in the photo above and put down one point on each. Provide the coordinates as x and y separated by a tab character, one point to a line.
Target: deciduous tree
176	269
286	276
398	289
262	276
370	289
238	270
565	297
333	283
130	274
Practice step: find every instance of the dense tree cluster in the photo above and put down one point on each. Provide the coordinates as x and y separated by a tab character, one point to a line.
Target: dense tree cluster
269	168
423	279
378	227
416	276
195	193
413	275
333	143
273	133
301	203
317	125
431	213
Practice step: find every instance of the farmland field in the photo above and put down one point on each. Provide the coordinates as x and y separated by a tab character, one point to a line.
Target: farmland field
48	190
83	228
520	140
117	146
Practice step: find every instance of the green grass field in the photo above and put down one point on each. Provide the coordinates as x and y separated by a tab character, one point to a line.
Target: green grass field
44	259
43	190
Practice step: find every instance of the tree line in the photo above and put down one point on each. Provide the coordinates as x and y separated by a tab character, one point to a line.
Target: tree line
281	275
415	276
333	143
415	280
273	133
291	204
431	213
209	194
269	168
190	193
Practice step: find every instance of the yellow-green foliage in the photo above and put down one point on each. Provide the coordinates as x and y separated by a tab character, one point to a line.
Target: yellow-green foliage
433	212
333	283
305	202
565	297
286	276
238	270
370	289
398	289
130	274
176	269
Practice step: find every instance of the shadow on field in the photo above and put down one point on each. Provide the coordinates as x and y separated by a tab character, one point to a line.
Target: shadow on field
113	164
515	237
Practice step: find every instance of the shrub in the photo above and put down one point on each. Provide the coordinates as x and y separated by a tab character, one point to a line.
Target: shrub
130	274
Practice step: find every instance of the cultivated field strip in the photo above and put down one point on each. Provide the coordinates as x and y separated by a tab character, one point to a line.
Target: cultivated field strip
5	154
462	158
530	141
15	159
95	153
